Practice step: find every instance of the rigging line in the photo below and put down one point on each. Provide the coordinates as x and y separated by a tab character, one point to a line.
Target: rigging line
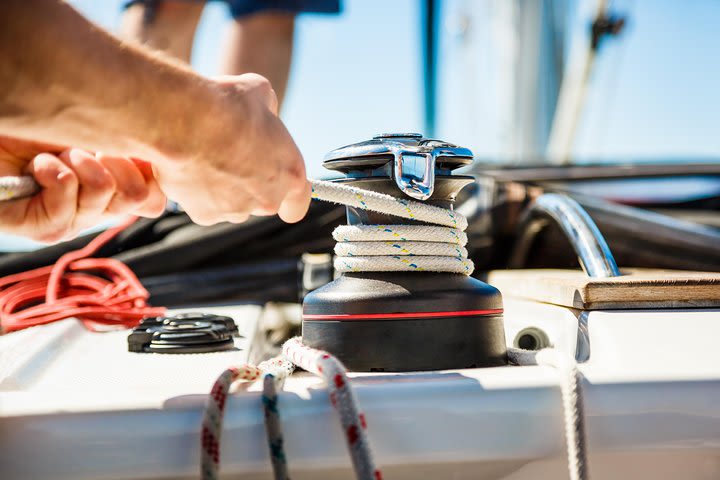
572	403
609	99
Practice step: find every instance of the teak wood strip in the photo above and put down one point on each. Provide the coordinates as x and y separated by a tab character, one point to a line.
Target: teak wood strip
636	288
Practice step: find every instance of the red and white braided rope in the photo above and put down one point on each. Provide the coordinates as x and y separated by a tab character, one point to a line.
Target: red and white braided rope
213	417
341	394
342	398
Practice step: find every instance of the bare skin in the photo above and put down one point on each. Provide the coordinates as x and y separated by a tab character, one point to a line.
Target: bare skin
170	28
216	147
260	43
79	189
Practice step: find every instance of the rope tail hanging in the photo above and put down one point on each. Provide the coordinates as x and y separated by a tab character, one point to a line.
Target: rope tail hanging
275	372
572	402
342	398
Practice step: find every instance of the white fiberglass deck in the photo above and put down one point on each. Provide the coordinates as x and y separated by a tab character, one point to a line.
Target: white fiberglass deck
77	405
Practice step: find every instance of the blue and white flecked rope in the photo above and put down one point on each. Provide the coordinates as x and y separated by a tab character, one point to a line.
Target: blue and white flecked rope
439	247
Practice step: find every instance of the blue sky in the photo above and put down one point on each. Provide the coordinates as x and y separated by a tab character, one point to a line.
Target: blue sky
658	89
654	92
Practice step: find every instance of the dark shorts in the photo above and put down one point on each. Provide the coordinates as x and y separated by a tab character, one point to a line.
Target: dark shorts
240	8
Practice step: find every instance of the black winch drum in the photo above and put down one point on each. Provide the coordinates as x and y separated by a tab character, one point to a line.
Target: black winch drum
405	321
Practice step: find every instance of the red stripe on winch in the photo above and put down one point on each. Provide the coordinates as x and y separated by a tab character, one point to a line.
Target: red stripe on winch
369	316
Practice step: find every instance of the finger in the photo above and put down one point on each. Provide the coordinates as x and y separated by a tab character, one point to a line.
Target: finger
16	153
263	212
201	218
131	190
296	203
50	213
219	206
156	201
96	187
235	217
267	195
269	192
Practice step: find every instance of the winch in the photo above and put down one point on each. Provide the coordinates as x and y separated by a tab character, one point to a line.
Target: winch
404	320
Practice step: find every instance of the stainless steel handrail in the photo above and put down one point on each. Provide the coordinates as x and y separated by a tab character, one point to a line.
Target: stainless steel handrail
590	246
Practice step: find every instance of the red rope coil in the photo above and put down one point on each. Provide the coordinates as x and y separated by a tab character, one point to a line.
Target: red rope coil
98	291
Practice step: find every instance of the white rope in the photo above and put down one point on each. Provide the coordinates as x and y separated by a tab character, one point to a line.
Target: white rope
379	202
352	249
17	187
571	392
393	248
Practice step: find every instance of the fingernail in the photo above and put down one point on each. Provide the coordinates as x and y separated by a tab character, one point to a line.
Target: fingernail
65	176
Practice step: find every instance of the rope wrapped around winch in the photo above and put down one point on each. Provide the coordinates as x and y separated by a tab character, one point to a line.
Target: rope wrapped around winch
439	247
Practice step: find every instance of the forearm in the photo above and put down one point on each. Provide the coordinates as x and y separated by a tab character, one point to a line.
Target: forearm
217	146
67	82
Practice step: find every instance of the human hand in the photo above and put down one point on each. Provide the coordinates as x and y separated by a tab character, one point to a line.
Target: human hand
239	159
78	190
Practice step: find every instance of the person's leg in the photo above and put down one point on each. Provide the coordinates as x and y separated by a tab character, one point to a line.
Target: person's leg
261	43
167	25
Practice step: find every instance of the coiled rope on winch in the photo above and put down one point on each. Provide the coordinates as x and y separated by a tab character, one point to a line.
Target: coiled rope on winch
439	247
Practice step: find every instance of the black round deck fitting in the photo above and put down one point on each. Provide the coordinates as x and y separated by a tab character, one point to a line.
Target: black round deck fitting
405	321
184	333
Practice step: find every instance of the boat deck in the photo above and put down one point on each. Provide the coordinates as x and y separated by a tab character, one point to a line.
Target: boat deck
84	405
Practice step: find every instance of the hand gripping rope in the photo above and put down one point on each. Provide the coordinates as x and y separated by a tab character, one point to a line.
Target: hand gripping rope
360	248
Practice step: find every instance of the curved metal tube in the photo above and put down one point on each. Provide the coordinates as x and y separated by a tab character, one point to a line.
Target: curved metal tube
590	246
